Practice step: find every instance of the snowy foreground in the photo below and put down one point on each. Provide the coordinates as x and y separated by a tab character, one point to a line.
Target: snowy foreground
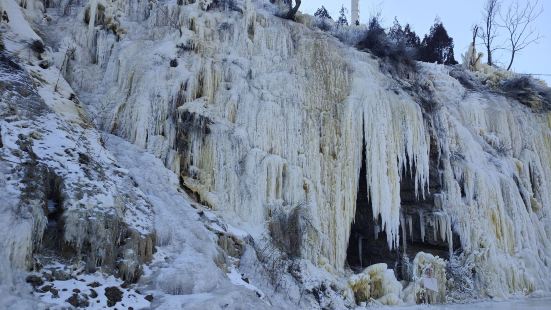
529	304
210	155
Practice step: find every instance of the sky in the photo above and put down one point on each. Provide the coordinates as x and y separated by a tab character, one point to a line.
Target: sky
458	17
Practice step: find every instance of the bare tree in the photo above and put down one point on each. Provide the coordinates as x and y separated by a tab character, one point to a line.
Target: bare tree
518	22
489	28
293	10
475	30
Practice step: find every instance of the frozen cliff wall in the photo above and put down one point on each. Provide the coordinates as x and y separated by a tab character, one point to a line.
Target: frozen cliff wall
259	115
62	192
495	168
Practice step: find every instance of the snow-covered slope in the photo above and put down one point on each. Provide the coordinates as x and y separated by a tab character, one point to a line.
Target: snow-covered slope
264	121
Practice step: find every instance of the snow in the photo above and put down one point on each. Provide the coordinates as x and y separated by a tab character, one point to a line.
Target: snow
97	282
20	32
237	279
529	304
185	270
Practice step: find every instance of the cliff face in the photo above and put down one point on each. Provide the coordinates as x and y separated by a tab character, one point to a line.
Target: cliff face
269	122
259	113
62	193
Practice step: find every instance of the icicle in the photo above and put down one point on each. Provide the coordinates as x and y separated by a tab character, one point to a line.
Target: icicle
410	225
434	223
376	231
404	230
422	225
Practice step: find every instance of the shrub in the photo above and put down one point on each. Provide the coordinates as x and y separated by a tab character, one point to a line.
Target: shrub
398	58
323	20
322	13
226	5
404	36
528	91
375	39
324	24
351	36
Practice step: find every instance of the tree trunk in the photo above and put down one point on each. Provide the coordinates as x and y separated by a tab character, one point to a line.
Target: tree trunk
293	11
490	60
512	59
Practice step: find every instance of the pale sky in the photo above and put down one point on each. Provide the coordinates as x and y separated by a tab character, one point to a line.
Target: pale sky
458	17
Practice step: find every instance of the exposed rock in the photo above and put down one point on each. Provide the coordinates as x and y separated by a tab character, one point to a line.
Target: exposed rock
61	275
55	292
94	284
57	184
34	280
45	288
78	301
48	276
113	294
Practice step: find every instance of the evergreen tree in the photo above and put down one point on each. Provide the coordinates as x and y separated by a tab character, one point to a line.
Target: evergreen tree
437	46
342	21
411	38
404	36
322	13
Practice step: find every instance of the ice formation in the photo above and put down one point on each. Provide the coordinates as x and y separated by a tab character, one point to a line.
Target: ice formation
429	279
265	119
377	282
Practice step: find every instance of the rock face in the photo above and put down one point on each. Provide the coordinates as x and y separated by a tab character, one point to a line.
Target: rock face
265	120
62	193
113	295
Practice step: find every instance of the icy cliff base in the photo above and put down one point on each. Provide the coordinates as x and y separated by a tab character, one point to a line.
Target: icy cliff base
264	120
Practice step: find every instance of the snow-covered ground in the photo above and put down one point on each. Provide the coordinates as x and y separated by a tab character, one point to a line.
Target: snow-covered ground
514	304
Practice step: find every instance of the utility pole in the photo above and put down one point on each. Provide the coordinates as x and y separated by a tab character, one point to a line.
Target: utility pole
355	20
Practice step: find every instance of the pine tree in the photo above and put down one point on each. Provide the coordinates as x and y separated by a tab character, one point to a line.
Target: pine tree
396	33
342	21
322	13
437	46
404	36
412	39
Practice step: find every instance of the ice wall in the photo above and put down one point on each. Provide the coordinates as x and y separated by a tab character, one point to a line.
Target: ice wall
496	169
258	113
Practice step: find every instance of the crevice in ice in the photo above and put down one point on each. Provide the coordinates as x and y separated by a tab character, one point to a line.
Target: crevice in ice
368	243
424	226
52	240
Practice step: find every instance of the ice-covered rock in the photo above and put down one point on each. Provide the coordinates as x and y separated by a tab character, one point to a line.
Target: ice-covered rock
429	280
376	282
62	192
